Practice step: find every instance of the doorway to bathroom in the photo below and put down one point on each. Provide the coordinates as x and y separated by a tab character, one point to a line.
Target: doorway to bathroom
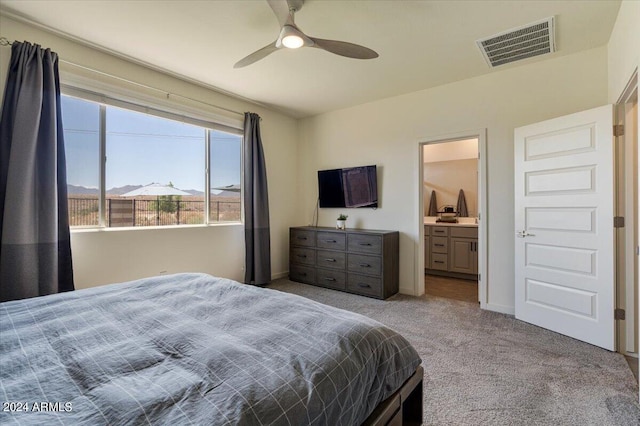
452	202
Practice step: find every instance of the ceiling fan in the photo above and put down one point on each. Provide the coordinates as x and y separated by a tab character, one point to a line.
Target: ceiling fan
291	37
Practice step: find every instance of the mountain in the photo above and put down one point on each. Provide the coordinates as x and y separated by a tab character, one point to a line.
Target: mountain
81	190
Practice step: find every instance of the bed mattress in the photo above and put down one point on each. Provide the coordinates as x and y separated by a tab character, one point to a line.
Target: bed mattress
193	349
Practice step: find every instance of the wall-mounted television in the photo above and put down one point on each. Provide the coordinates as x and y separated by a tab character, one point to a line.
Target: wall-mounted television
349	187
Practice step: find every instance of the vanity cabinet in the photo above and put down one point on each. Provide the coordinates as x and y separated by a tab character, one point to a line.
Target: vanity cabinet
463	251
451	250
357	261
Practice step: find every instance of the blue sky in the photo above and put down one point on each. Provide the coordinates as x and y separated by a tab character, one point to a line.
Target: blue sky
142	149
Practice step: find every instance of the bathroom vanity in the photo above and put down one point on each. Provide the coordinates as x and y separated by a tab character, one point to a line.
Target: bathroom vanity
451	249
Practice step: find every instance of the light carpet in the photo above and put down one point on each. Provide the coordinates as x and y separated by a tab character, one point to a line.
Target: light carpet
485	368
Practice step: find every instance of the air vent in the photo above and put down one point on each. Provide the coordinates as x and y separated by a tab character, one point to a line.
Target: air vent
519	43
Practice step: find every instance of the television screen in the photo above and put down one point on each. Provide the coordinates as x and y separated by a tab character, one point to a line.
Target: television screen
330	188
360	187
350	187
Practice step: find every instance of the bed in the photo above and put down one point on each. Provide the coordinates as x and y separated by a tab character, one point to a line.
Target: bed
196	349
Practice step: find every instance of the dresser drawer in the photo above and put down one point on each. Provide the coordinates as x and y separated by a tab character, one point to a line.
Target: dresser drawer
370	265
464	232
303	256
361	284
364	243
302	274
331	240
366	261
302	237
439	261
330	278
439	244
331	259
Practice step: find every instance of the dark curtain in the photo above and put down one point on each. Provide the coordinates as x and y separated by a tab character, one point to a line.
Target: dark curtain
256	206
35	249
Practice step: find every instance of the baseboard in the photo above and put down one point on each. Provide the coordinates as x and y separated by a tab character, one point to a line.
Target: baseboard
279	275
409	291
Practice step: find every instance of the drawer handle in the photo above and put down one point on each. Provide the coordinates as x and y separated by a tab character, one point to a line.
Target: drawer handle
439	245
301	238
329	279
363	285
365	244
365	265
438	261
304	274
330	241
302	255
439	232
329	260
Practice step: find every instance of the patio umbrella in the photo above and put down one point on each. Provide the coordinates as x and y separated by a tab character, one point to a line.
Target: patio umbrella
157	189
231	188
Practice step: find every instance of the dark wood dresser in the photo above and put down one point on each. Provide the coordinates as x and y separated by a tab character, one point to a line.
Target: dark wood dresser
357	261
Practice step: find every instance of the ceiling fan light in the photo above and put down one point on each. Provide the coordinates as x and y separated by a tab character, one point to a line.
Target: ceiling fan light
291	37
292	41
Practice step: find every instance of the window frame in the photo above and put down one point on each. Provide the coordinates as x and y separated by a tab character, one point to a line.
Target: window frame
160	111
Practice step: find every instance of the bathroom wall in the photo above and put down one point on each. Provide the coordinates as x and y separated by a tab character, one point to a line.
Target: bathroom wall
447	178
448	168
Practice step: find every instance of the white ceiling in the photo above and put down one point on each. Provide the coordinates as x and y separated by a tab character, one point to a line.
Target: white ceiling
422	44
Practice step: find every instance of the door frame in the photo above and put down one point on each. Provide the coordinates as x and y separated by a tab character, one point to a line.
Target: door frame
625	247
483	244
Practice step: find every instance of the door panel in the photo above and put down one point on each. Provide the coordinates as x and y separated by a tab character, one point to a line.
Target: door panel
564	200
566	259
567	300
555	181
561	218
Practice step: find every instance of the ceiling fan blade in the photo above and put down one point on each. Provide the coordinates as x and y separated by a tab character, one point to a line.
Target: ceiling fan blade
256	56
280	9
344	48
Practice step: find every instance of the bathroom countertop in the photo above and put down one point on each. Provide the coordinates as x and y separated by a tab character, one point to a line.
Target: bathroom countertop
462	221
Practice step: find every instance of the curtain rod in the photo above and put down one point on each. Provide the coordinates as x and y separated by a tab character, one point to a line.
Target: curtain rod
6	42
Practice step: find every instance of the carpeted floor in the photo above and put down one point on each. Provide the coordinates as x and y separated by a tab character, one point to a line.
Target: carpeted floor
485	368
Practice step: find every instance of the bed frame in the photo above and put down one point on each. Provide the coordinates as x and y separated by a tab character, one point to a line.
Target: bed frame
404	407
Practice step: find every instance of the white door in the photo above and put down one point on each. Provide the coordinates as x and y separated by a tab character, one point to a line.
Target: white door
564	243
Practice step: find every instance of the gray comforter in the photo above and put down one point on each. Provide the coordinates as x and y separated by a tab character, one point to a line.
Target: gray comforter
193	349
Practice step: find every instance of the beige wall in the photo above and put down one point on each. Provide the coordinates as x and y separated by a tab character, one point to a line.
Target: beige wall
388	133
623	48
447	178
452	150
106	256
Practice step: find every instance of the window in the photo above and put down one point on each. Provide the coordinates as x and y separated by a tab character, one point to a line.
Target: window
82	151
156	170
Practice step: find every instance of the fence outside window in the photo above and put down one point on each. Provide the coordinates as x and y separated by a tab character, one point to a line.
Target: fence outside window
84	211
